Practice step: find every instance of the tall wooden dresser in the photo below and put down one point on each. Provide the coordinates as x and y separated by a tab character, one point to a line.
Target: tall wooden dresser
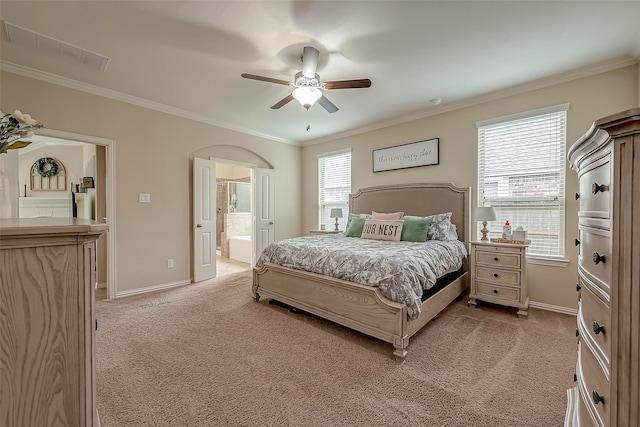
607	159
47	331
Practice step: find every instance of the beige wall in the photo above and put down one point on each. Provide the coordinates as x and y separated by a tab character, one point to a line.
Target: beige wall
153	155
590	98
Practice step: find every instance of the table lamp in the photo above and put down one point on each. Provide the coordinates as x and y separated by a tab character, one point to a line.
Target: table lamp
336	213
484	214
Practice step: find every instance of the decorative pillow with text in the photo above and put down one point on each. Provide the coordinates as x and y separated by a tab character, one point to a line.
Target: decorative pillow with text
379	229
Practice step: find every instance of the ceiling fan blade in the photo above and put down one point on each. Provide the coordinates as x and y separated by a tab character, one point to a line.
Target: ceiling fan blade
348	84
309	61
283	102
264	79
328	105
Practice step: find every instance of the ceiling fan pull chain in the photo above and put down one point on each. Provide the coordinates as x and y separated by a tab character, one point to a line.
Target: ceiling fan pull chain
308	121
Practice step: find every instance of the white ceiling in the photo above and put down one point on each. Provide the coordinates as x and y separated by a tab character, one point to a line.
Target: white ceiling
186	57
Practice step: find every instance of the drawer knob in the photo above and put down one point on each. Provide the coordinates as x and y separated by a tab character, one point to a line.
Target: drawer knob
577	332
496	275
496	259
597	328
495	291
597	398
577	196
577	242
597	258
597	188
578	287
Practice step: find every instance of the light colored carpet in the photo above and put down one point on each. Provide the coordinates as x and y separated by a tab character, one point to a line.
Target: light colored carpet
209	355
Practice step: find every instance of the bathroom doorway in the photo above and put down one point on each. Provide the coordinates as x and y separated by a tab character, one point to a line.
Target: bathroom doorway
234	218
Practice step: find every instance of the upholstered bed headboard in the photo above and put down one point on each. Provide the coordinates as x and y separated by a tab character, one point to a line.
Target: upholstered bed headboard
419	200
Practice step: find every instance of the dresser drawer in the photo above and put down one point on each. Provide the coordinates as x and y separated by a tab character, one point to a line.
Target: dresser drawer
595	189
499	259
594	322
594	257
498	276
593	385
584	418
495	292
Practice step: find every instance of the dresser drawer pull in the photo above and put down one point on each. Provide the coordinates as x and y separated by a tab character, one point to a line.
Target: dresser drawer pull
496	259
577	196
597	398
577	242
595	188
495	291
578	287
496	275
597	328
597	258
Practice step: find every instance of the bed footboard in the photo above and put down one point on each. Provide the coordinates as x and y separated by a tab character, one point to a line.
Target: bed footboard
355	306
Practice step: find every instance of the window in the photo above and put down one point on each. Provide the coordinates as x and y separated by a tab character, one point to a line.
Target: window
334	179
521	173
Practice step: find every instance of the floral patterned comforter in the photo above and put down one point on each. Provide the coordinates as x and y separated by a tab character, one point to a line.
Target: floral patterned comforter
402	270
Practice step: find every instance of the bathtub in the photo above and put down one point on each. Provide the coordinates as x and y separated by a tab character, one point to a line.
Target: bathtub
240	248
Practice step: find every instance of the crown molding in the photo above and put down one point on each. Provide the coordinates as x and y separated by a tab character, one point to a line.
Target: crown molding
492	96
129	99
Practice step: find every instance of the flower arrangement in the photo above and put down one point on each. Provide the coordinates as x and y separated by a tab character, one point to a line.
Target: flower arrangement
15	126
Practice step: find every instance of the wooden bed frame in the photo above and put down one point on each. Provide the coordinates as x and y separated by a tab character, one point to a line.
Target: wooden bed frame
364	308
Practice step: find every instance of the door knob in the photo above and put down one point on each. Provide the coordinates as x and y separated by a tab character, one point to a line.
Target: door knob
270	222
199	225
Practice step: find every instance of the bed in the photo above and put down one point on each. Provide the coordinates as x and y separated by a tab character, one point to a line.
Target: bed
365	308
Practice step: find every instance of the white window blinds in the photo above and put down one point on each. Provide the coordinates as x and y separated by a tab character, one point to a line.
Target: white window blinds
334	178
521	173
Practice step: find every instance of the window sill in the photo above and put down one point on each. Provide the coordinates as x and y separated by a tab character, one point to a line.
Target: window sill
550	262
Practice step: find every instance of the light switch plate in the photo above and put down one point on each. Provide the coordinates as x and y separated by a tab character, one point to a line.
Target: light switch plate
144	198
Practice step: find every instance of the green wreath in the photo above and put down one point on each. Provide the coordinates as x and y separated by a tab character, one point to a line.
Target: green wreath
53	167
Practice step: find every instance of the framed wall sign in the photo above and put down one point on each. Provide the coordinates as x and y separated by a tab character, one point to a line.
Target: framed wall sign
421	153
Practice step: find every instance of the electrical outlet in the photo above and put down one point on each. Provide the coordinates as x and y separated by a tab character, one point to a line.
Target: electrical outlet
144	198
169	263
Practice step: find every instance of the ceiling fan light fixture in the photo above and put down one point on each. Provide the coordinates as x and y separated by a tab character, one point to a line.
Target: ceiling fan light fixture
307	95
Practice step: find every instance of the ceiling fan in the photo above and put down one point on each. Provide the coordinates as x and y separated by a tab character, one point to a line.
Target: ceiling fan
308	86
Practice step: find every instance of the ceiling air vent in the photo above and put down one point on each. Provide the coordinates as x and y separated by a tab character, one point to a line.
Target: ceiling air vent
27	38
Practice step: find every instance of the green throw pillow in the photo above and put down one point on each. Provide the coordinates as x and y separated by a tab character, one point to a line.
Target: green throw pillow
415	229
355	227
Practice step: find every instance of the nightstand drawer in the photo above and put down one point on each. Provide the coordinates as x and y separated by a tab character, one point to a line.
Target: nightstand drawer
497	292
500	259
499	276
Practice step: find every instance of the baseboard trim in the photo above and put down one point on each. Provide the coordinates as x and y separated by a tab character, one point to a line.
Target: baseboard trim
101	285
556	308
152	288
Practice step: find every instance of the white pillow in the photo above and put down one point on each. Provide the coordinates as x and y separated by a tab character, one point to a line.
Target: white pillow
379	229
392	215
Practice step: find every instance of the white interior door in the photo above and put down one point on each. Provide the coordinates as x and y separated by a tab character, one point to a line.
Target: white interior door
204	219
264	210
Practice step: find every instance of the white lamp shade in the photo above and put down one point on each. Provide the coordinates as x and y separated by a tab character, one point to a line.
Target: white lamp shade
307	95
485	213
336	213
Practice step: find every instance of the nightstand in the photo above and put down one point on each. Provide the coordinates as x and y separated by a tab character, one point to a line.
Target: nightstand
312	232
499	275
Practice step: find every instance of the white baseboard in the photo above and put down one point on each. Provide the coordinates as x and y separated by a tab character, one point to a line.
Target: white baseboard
556	308
101	285
152	288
